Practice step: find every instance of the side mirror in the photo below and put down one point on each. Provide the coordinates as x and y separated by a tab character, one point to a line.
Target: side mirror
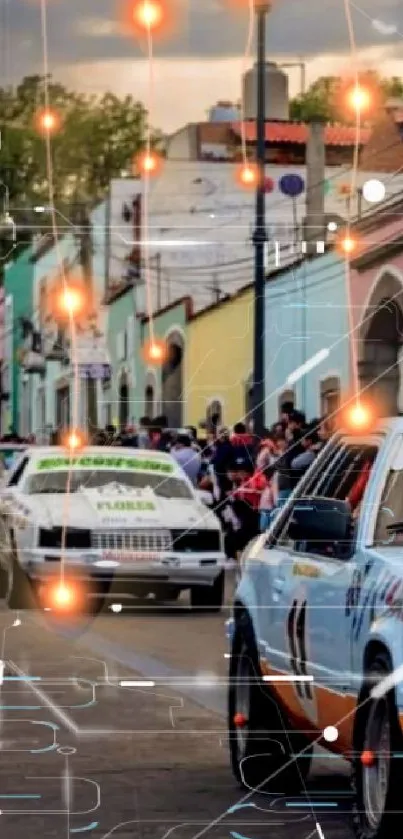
320	519
205	497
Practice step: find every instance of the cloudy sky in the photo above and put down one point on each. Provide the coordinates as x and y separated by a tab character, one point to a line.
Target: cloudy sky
201	59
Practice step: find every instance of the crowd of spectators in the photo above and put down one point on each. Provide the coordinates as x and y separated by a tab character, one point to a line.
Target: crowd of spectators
245	479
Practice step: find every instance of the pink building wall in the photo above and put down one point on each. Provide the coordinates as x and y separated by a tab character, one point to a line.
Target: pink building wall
363	281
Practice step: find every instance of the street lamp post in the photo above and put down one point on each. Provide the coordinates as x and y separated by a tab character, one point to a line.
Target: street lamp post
262	8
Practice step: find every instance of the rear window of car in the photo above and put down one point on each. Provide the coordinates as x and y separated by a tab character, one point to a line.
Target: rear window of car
62	481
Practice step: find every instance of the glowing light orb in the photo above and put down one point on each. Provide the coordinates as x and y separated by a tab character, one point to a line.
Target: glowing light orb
359	416
155	351
47	121
247	175
348	244
74	440
368	757
63	596
330	734
71	301
359	98
374	191
148	14
149	163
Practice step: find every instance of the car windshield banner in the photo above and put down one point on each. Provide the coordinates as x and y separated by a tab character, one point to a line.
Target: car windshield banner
100	462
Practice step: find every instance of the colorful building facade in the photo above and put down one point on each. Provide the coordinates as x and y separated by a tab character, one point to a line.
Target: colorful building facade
218	362
307	316
138	386
18	303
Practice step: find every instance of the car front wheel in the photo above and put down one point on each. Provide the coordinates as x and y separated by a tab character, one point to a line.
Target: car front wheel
265	753
377	765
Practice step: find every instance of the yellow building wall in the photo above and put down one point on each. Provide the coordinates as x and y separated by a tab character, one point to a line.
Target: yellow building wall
219	359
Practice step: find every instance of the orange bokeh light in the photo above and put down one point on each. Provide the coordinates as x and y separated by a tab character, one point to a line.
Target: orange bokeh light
359	99
149	14
47	121
359	417
62	596
155	351
74	440
150	17
247	175
347	243
368	757
71	301
148	163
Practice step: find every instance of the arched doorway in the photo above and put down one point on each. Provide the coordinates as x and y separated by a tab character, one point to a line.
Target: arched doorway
379	350
149	402
214	415
172	381
249	394
123	401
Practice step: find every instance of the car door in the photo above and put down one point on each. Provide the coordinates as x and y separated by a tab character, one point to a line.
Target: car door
273	572
310	623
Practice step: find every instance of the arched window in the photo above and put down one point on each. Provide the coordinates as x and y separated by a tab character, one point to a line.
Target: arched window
249	398
149	402
286	396
214	415
330	396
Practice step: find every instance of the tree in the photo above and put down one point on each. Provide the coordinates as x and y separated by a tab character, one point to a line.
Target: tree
324	100
97	140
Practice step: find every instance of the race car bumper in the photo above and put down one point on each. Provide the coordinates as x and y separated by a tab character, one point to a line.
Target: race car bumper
173	570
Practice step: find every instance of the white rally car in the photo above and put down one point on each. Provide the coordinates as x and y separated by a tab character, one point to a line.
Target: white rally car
119	523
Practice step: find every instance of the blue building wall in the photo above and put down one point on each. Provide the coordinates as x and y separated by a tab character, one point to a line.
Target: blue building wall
306	312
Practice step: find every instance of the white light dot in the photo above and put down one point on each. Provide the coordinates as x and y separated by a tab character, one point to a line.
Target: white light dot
332	226
330	733
116	607
374	191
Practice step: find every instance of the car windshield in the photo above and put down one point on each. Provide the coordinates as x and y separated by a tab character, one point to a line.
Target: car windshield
389	523
59	482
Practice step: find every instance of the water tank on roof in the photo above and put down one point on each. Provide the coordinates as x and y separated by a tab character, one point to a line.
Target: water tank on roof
276	96
224	112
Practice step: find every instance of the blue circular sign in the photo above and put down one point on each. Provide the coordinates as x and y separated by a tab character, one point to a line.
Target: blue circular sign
292	185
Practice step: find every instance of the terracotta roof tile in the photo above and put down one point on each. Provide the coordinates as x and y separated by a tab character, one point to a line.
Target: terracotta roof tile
297	132
215	132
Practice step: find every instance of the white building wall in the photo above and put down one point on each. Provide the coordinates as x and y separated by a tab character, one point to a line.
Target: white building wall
201	224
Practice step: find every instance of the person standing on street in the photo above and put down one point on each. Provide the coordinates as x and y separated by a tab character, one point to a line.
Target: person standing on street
187	458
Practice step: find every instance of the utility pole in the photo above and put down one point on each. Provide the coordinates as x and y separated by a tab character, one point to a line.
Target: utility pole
262	7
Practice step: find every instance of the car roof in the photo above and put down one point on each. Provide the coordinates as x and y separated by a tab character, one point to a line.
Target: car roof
116	451
15	447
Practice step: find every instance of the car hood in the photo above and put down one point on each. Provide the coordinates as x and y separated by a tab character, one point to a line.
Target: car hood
117	506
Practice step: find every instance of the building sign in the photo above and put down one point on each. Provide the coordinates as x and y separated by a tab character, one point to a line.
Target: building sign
92	357
102	372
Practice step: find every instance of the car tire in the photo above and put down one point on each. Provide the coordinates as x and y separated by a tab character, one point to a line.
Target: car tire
265	754
208	598
376	807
